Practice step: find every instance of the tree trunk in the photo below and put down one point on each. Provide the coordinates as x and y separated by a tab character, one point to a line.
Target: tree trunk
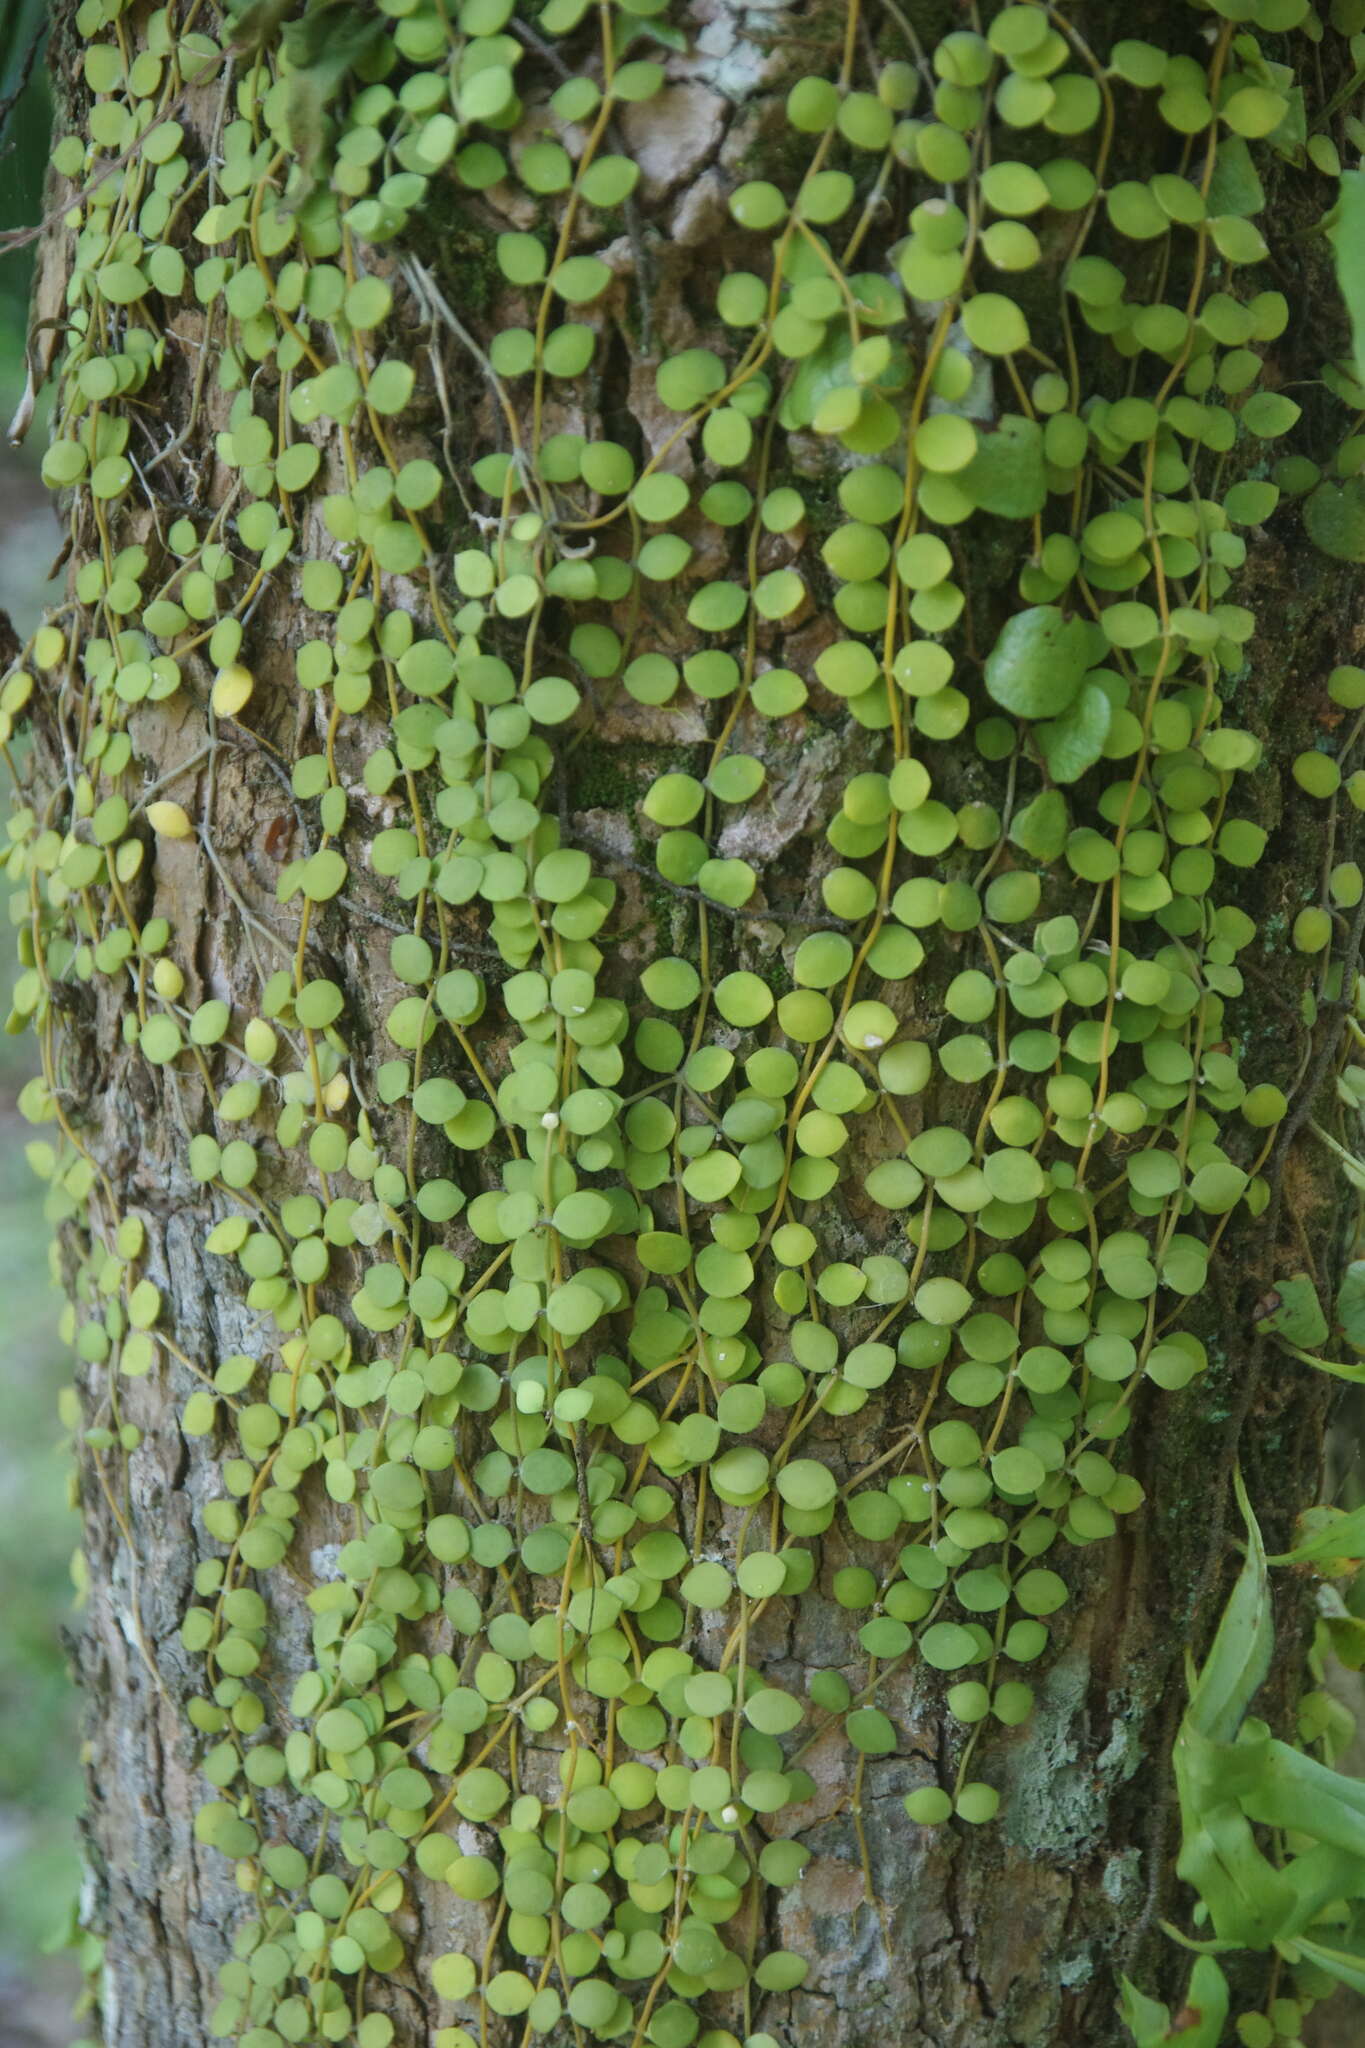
308	974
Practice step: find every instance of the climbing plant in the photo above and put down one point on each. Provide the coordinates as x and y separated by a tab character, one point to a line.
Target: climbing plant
562	1278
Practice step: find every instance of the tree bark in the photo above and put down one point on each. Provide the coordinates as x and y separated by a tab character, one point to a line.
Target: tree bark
1003	1936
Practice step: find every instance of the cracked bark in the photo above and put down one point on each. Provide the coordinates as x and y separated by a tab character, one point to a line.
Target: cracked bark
1006	1937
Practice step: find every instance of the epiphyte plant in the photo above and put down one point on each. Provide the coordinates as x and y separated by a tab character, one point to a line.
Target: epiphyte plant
651	787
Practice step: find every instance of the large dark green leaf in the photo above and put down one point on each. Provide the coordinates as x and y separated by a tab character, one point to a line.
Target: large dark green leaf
1334	515
1007	475
1075	741
1041	828
1294	1313
254	22
1236	186
1351	1305
1038	663
823	371
1347	232
324	45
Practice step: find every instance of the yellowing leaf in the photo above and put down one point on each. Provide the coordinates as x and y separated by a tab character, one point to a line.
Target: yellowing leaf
232	688
169	821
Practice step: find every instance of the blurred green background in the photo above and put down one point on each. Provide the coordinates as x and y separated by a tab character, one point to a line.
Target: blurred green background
39	1738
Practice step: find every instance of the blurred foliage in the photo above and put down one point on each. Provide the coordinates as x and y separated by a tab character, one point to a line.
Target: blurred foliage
24	147
39	1783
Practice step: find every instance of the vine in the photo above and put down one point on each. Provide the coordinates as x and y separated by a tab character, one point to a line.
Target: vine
503	1263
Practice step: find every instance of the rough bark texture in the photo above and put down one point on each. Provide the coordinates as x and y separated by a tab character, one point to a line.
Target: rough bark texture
1005	1937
